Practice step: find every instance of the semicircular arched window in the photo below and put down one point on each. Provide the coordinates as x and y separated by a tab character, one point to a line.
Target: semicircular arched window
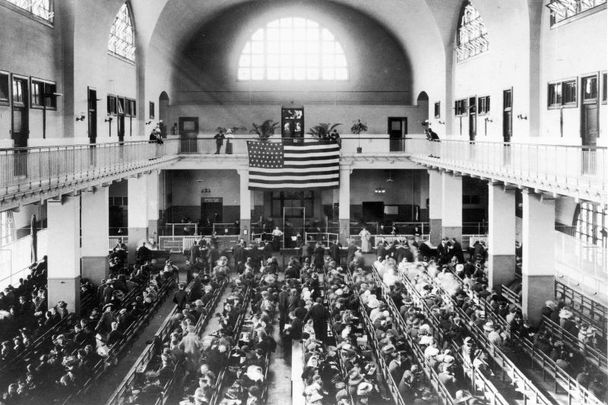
122	35
292	48
472	35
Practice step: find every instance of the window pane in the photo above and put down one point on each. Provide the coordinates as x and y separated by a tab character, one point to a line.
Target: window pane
290	49
4	87
471	36
122	34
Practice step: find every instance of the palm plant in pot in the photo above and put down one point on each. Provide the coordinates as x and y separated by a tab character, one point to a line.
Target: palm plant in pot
265	130
358	128
324	131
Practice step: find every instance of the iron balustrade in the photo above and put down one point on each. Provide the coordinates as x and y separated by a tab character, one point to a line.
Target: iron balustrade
581	169
24	169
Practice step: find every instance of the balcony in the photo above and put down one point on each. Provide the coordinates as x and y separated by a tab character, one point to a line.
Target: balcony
576	171
32	174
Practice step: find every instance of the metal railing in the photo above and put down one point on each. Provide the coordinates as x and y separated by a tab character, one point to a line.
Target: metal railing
573	168
29	168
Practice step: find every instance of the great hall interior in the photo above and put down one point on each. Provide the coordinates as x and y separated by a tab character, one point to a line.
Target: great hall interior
303	201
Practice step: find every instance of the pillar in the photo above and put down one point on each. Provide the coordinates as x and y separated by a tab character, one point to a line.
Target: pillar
344	204
501	235
434	206
95	234
451	206
137	214
152	185
245	206
538	254
64	252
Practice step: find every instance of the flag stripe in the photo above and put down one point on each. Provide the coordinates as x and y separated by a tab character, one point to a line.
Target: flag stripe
277	166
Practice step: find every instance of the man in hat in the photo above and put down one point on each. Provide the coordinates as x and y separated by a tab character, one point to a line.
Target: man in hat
319	315
105	321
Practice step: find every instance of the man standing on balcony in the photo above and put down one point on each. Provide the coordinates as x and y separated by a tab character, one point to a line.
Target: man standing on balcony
219	141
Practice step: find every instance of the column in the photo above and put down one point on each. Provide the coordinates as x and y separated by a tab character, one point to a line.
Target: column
137	214
538	254
501	235
95	234
435	206
344	204
152	185
245	206
64	252
451	206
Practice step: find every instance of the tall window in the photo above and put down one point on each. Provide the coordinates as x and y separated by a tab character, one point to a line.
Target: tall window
122	35
40	8
292	49
472	35
592	224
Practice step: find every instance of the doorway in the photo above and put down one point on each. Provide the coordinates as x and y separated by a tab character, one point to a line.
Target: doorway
589	122
120	127
212	211
472	118
507	115
92	115
20	129
163	114
397	129
20	112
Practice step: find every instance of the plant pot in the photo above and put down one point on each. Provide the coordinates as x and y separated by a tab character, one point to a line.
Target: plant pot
359	149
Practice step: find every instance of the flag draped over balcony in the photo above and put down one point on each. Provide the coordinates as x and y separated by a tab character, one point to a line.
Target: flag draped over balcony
274	166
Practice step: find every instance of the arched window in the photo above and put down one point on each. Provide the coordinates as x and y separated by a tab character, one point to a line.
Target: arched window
292	49
122	35
39	8
472	35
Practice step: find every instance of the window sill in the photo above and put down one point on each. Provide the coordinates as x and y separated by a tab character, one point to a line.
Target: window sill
578	16
565	106
122	58
26	13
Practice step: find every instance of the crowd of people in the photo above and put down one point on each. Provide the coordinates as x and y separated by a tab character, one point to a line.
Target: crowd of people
60	365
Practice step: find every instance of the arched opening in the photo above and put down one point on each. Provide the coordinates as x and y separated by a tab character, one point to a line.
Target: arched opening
163	116
423	106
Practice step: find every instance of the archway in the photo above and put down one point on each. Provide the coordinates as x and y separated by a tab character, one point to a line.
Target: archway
423	106
163	115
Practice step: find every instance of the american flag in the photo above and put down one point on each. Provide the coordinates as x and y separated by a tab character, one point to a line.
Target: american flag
275	166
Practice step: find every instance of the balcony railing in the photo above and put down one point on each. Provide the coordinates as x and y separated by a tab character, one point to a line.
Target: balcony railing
29	168
562	168
570	170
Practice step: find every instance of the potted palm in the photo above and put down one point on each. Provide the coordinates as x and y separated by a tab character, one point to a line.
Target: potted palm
265	130
325	132
358	128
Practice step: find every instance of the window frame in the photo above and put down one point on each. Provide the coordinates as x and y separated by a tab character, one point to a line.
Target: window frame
151	110
49	87
563	103
6	101
604	87
577	14
437	109
271	57
27	12
130	44
25	98
483	105
461	107
111	105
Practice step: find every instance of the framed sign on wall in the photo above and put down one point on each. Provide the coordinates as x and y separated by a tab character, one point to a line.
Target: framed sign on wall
292	123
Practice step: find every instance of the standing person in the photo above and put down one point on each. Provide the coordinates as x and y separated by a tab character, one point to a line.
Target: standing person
350	254
319	315
212	257
319	253
334	251
238	252
283	306
219	141
276	239
365	237
229	137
